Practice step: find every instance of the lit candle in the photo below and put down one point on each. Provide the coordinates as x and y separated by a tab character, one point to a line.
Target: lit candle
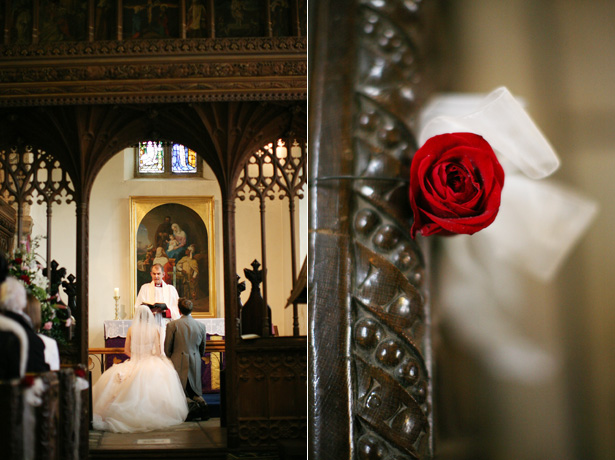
116	292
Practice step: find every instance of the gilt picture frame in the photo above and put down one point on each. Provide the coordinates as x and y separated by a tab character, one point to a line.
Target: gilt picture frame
178	233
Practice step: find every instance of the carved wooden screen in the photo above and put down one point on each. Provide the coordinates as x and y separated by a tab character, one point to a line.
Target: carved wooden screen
29	174
276	171
370	352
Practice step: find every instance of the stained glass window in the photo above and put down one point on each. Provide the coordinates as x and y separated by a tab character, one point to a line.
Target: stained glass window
151	157
166	159
183	159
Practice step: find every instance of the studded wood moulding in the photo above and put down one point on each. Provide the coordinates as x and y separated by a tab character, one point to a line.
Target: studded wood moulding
371	392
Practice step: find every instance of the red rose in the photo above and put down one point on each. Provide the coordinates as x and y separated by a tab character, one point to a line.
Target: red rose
17	260
455	185
25	278
80	372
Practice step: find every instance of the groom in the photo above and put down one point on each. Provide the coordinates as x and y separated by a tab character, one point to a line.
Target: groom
184	344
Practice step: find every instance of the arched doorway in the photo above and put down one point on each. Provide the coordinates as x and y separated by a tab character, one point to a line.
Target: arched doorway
115	257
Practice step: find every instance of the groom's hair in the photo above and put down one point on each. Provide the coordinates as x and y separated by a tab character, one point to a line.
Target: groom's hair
185	306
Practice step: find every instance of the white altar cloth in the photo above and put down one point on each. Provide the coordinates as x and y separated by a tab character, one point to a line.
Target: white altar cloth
119	328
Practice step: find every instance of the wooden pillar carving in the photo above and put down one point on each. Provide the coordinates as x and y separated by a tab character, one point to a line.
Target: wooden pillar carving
81	315
370	352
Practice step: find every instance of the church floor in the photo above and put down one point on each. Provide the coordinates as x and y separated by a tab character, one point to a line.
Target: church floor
188	440
203	440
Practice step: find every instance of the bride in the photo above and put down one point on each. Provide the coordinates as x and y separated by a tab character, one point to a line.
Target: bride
143	393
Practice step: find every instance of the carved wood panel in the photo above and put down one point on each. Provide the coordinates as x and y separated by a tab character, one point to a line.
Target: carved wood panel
369	293
154	71
271	392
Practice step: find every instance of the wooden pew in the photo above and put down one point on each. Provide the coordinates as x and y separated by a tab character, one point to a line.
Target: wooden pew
58	428
74	415
66	432
11	421
47	418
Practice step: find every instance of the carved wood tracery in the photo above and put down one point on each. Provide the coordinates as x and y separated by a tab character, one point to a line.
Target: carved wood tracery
29	174
277	170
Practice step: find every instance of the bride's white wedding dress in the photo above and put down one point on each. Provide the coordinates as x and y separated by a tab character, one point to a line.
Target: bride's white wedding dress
143	393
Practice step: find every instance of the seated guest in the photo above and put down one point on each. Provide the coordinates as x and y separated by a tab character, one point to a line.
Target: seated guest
13	340
52	354
14	346
12	304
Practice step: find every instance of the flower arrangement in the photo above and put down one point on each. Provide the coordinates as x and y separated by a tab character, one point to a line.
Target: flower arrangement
23	265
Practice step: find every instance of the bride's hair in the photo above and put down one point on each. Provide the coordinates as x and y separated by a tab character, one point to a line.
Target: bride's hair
145	339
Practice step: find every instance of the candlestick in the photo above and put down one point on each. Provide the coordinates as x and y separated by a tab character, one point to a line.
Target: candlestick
116	292
117	298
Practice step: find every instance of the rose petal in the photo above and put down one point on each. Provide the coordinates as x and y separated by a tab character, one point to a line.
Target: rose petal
464	225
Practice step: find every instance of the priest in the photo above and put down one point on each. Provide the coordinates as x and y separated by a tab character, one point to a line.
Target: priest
159	292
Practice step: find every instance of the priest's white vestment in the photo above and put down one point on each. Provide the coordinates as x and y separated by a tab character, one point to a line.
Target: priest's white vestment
167	294
151	294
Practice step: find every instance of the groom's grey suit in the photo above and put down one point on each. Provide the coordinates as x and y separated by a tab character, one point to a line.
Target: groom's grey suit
184	344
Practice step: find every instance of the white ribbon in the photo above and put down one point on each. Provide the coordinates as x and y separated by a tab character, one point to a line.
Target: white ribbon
33	398
484	277
501	120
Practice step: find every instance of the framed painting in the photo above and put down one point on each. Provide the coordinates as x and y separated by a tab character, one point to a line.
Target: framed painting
178	233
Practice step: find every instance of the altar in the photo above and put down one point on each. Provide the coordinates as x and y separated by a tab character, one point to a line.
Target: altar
119	327
213	362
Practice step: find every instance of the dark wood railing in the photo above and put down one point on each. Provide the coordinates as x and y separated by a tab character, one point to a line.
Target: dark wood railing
213	346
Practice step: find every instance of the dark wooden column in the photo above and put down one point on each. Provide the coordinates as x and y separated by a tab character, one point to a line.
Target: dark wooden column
83	222
370	350
330	280
231	316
